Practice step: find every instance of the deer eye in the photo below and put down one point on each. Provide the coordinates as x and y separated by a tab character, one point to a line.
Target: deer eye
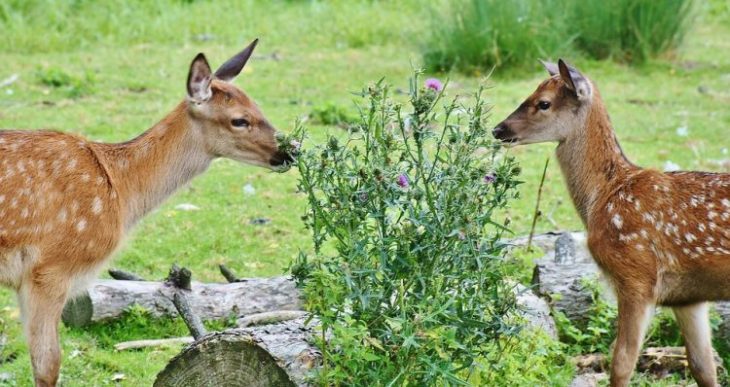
240	123
543	105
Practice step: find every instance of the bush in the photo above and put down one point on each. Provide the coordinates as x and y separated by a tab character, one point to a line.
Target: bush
630	30
468	35
474	35
407	274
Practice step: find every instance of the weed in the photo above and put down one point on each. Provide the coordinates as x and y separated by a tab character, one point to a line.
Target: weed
414	291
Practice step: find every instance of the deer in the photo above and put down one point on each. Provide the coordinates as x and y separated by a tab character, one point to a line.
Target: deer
660	239
66	203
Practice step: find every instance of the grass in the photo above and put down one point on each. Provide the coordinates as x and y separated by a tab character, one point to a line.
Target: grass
476	35
130	63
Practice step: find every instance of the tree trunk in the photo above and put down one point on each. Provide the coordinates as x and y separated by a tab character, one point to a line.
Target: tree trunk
108	299
269	355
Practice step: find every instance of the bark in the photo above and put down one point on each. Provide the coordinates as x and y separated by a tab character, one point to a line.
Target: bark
270	355
109	299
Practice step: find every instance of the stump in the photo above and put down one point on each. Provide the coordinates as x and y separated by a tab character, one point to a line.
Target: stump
108	299
270	355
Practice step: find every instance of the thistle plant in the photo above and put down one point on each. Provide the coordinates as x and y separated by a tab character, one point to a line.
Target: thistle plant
406	275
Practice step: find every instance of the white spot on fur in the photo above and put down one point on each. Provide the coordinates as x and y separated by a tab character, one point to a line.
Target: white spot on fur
618	221
96	206
81	225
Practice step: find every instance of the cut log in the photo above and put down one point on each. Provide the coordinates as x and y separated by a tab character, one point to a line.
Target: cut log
561	276
270	355
108	299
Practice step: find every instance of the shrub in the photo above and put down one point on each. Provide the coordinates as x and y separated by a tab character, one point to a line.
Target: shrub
407	271
630	30
474	35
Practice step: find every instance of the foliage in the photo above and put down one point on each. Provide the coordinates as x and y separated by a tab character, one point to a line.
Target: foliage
469	35
332	114
598	332
630	30
474	35
531	358
407	273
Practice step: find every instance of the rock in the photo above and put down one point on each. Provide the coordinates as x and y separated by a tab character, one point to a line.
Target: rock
535	310
589	379
561	276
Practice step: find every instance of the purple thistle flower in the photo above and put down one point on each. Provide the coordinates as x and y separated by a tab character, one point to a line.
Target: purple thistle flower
489	178
433	84
403	181
295	144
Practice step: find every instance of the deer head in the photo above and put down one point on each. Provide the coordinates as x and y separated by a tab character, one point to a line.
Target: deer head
554	112
231	124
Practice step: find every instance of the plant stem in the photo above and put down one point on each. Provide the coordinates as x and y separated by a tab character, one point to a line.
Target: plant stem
537	205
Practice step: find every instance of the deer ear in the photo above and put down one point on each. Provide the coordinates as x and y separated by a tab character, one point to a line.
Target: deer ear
199	79
230	70
574	80
551	67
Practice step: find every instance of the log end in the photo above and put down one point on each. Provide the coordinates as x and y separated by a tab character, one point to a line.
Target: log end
229	358
78	311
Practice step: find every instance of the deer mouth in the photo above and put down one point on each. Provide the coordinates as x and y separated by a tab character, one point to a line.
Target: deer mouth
281	160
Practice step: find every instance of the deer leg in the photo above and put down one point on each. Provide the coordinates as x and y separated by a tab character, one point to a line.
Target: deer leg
633	318
694	322
41	303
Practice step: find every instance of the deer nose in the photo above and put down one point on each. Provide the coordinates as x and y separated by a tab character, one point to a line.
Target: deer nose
498	131
503	132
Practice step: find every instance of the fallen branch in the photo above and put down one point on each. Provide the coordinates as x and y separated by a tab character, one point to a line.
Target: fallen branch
180	279
139	344
266	318
122	275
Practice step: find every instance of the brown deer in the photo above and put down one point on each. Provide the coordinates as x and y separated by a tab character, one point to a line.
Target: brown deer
66	202
660	238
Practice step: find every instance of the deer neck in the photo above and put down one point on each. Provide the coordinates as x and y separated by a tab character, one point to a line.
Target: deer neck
148	169
592	160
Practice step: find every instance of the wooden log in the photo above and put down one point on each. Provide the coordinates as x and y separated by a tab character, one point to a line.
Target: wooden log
269	355
108	299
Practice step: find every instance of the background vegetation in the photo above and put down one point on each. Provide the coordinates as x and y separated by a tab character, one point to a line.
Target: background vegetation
474	35
109	70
